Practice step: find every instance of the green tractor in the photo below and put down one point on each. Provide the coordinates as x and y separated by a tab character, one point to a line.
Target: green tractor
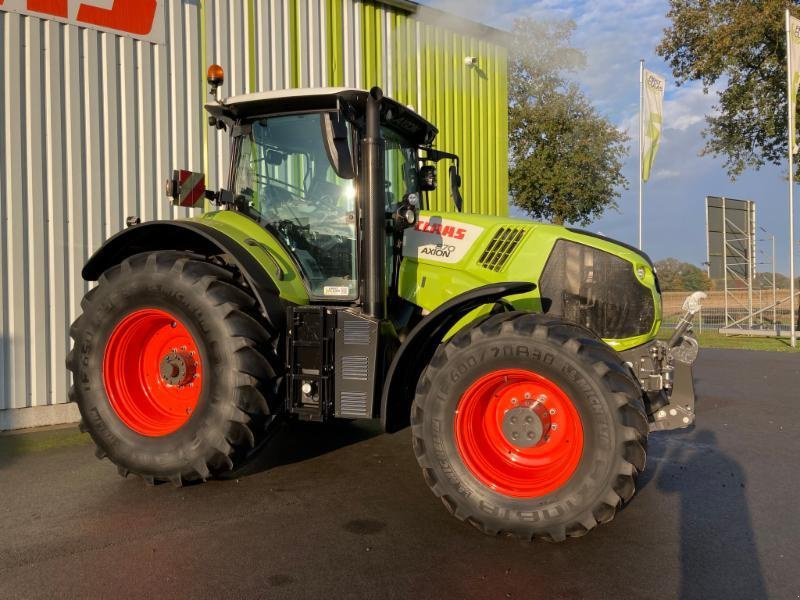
522	355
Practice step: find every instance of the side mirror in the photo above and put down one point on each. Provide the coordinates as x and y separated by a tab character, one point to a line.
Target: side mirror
455	185
186	188
335	135
427	178
275	158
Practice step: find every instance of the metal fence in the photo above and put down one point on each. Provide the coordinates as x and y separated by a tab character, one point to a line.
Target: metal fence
767	315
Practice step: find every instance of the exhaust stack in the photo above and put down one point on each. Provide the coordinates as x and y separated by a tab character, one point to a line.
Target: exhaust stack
374	209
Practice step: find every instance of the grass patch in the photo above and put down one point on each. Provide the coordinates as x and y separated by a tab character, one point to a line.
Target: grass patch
16	443
712	339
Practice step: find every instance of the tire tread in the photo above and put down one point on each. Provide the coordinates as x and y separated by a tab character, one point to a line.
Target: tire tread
599	359
257	365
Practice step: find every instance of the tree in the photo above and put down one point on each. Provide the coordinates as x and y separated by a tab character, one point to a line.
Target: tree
764	281
565	162
677	276
741	46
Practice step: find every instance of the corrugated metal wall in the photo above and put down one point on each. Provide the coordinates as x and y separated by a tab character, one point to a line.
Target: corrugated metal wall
91	123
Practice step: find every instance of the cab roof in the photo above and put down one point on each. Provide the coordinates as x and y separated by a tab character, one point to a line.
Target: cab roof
352	101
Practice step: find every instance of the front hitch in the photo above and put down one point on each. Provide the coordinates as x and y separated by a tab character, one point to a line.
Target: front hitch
664	370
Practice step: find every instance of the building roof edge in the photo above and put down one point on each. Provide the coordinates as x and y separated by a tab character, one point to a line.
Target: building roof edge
434	16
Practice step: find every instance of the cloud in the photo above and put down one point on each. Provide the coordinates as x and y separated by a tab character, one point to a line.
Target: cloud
687	106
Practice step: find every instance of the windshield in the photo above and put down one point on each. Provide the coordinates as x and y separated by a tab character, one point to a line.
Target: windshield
288	184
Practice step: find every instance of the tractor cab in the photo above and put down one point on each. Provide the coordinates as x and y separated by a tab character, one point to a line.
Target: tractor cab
298	168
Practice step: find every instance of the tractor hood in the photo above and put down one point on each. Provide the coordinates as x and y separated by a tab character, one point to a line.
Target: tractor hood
583	277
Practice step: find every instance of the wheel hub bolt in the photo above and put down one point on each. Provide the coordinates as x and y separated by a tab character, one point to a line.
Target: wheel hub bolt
178	369
525	426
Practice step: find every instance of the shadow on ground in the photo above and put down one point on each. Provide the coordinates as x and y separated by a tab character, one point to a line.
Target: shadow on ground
296	441
718	554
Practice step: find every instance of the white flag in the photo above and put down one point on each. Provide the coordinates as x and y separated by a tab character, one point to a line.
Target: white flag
794	62
653	102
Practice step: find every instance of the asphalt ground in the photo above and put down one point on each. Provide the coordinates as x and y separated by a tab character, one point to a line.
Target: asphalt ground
344	513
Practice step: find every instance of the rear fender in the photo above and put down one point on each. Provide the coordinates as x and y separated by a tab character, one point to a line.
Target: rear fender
194	237
418	348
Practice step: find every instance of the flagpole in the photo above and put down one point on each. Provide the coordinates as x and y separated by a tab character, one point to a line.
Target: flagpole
641	127
791	179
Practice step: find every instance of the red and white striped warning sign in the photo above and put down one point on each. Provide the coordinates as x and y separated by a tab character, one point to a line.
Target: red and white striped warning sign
191	188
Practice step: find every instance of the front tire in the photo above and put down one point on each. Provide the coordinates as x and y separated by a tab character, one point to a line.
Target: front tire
175	377
529	426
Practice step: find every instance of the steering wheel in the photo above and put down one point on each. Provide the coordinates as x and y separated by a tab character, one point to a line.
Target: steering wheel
325	195
276	194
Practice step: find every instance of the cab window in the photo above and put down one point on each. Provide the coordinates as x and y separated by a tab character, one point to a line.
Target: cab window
289	185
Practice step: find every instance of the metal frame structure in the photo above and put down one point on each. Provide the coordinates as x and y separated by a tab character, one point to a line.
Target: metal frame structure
773	285
737	252
732	263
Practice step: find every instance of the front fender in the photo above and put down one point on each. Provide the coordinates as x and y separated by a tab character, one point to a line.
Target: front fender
194	237
417	350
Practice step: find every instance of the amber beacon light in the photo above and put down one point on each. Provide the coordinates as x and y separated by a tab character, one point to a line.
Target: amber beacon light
215	77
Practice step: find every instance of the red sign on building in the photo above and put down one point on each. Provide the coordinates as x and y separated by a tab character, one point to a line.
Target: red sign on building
142	19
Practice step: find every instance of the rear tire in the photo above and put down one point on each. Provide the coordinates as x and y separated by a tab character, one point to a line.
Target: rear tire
563	480
175	377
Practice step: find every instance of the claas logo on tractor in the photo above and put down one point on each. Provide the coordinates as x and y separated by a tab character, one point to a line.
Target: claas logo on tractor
322	286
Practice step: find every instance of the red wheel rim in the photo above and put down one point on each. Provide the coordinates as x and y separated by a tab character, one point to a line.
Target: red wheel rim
152	372
484	433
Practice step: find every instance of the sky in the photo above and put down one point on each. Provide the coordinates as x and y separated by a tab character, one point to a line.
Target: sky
615	34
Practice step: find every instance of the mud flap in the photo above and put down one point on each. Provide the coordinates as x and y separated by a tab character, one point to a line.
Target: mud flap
679	413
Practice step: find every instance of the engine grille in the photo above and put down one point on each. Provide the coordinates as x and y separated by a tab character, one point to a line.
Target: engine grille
502	246
597	290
